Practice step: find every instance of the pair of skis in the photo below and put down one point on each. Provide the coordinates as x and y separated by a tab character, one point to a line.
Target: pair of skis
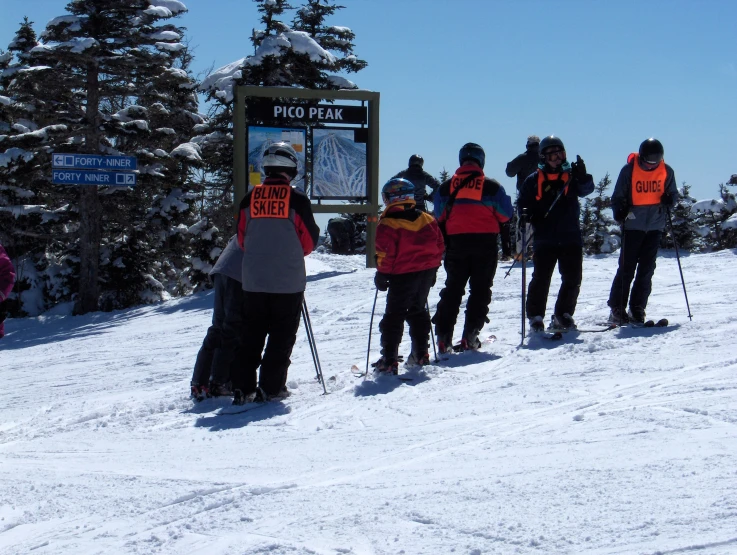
457	349
557	334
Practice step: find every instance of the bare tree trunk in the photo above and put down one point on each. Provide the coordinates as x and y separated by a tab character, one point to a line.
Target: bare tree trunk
89	207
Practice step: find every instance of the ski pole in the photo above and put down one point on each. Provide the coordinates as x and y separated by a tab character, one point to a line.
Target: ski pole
371	326
678	258
622	300
523	217
309	342
432	335
311	339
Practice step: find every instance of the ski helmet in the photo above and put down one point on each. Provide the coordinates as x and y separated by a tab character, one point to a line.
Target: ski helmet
550	141
398	191
651	151
472	151
416	160
280	157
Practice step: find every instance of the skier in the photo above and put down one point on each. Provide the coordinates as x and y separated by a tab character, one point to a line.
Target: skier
409	249
420	179
645	191
7	279
342	235
276	230
522	166
550	196
212	366
470	208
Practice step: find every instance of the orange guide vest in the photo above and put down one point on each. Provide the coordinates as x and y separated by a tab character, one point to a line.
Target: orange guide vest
473	190
270	201
542	177
647	186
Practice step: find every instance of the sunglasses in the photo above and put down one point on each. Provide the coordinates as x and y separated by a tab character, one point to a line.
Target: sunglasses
553	155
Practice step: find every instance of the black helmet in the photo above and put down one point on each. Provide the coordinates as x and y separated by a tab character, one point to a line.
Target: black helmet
416	160
549	141
472	151
651	151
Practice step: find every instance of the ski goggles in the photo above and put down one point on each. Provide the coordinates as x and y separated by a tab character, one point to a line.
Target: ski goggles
553	155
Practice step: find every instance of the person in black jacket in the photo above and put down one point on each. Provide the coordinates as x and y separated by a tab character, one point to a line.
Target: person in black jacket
522	166
420	179
550	198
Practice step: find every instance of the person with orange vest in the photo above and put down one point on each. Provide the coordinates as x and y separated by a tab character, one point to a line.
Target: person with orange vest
409	250
470	208
276	230
645	191
549	197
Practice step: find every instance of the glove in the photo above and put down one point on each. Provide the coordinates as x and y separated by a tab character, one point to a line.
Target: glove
578	169
381	281
620	213
666	199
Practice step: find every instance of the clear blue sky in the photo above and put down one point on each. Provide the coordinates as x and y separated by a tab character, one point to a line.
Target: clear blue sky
601	75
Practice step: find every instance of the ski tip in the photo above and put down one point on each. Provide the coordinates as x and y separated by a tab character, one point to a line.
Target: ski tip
355	368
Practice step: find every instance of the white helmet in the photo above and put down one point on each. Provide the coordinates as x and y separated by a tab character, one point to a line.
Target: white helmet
280	157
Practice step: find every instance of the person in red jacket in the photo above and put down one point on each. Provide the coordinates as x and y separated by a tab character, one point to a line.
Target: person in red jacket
470	207
409	249
7	279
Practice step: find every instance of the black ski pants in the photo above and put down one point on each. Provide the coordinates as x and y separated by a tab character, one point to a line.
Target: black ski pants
274	316
636	261
505	235
570	265
475	268
215	356
406	300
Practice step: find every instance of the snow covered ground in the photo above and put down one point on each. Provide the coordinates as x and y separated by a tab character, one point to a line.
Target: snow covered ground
604	443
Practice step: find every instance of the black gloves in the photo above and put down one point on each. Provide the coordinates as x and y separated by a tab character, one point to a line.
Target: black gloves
381	281
620	213
578	169
667	199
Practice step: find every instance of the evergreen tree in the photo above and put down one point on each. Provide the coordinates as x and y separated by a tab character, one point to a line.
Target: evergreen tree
600	230
305	56
112	55
31	215
685	225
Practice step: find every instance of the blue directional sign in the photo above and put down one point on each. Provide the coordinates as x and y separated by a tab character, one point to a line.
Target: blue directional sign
94	162
82	177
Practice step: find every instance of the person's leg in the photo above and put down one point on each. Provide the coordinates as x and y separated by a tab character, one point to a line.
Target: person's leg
213	338
483	269
398	301
537	294
504	234
417	315
254	310
646	261
458	271
232	333
282	315
570	266
628	257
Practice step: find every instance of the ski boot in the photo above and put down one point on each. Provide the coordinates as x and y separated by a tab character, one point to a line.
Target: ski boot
198	392
386	366
563	322
470	341
618	317
419	355
636	315
445	342
220	389
537	325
